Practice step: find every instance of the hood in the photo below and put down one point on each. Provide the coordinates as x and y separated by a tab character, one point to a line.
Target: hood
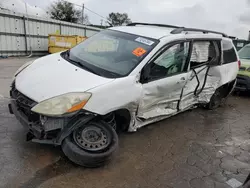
244	67
52	75
245	62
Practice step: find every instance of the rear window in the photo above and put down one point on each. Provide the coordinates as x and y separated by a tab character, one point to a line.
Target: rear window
229	54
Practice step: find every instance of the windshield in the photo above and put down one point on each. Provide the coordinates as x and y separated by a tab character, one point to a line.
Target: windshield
244	53
111	53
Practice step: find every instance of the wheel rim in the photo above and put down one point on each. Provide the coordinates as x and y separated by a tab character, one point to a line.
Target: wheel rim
92	138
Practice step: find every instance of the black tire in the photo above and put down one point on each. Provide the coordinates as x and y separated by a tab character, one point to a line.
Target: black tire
215	100
90	159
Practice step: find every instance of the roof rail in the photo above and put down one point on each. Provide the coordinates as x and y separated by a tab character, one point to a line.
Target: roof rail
178	29
181	29
159	25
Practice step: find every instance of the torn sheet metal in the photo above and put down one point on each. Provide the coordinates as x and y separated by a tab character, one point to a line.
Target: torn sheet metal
160	101
161	97
212	83
159	109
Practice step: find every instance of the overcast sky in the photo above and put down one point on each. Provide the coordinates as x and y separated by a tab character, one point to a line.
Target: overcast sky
229	16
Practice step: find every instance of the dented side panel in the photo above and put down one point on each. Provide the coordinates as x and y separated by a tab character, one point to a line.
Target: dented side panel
161	97
217	76
188	97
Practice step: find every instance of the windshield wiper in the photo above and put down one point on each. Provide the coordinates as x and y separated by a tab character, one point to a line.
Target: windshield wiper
78	63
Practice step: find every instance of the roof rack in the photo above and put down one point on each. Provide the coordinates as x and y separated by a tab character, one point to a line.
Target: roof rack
181	29
178	29
159	25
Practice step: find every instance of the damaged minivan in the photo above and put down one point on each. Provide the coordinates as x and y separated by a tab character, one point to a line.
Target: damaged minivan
120	79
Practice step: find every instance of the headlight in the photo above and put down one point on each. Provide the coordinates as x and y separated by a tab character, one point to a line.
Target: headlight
63	104
23	67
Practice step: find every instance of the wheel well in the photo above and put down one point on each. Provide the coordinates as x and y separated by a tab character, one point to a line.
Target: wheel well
122	119
226	89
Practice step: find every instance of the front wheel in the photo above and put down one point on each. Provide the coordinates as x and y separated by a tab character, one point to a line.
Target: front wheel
92	145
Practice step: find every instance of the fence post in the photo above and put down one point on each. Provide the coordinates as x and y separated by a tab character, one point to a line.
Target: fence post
25	36
60	28
85	32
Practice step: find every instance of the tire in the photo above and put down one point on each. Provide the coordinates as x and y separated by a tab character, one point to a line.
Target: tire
91	159
215	100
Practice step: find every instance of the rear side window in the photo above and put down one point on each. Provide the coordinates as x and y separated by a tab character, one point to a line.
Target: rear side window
229	54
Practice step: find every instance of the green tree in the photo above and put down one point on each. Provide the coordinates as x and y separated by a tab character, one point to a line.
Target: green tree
65	11
117	19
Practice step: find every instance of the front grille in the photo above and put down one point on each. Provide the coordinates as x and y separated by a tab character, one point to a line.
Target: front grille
24	104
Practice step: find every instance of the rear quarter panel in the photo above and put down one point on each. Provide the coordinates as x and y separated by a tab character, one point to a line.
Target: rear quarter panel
225	73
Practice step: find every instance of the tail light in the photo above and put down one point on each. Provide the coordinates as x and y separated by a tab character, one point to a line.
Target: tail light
239	63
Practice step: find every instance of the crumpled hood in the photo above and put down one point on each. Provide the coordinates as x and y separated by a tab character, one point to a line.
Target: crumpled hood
52	75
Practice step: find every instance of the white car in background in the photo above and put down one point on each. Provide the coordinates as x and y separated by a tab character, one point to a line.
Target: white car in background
120	79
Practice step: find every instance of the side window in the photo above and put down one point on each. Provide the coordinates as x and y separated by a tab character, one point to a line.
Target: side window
204	52
171	61
229	54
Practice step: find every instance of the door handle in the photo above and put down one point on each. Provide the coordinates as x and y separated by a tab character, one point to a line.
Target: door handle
183	78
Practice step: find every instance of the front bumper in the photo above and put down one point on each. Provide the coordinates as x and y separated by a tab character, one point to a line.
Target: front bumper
39	128
42	129
243	83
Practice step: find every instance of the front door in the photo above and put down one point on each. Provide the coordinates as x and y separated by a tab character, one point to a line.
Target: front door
167	75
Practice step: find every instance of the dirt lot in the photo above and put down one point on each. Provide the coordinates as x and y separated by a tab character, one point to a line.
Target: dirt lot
197	148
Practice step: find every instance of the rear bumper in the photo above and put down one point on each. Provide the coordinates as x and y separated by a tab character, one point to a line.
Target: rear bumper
243	83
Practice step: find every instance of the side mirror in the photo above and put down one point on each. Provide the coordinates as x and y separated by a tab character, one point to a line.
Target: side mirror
145	74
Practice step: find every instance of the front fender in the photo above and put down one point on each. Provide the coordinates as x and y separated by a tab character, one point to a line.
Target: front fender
72	125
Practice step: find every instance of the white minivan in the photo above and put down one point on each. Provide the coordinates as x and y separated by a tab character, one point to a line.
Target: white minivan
120	79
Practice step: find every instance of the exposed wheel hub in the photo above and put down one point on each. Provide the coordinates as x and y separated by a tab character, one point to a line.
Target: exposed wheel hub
92	138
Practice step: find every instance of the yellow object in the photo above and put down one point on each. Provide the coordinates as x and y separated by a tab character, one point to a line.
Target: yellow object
58	43
244	70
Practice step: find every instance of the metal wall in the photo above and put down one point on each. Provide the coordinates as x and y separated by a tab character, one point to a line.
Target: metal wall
21	35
